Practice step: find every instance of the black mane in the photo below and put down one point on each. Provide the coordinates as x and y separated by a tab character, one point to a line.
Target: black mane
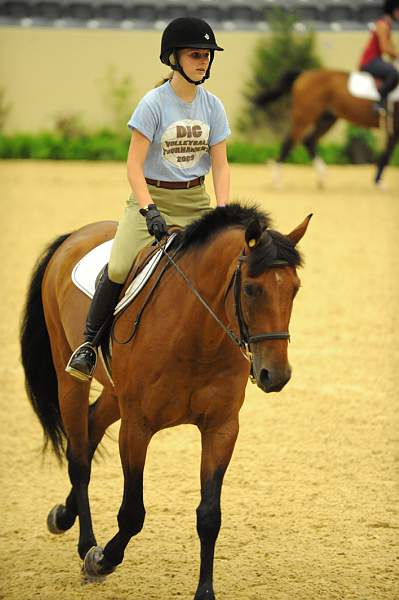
277	246
219	219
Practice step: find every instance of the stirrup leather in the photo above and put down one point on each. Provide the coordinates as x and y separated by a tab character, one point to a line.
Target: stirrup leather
380	108
83	362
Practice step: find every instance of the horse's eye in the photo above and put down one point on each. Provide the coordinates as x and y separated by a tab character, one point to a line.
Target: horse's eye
251	290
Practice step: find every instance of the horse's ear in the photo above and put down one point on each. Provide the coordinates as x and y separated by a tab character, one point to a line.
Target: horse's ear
297	234
253	233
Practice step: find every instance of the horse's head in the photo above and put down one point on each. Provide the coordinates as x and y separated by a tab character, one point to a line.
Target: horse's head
268	285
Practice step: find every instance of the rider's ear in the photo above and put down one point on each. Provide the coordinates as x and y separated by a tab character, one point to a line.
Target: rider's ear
253	233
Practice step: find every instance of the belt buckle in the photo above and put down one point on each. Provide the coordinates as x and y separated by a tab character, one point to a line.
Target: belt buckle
158	183
188	185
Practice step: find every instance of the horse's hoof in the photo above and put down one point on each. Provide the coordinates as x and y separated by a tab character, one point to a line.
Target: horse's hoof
206	593
52	519
94	565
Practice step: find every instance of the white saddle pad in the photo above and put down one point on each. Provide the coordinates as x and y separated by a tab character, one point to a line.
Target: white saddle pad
86	271
362	85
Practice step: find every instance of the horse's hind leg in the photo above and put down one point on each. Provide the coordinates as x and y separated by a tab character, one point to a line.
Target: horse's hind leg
133	444
74	404
62	516
102	413
324	124
299	127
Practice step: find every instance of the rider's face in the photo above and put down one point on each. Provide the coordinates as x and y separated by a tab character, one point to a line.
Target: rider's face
194	62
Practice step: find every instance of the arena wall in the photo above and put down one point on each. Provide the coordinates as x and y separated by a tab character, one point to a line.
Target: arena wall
48	72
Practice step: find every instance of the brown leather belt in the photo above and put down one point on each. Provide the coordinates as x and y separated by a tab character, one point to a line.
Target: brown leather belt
176	185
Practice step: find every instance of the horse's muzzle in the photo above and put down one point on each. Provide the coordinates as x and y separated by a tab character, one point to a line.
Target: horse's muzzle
273	380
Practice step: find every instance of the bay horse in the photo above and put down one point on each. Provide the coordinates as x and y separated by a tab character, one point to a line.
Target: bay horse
319	98
188	362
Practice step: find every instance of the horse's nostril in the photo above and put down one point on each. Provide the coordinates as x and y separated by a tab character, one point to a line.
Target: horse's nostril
273	381
264	377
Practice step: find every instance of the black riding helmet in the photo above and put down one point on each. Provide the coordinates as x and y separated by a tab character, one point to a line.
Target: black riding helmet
390	6
187	32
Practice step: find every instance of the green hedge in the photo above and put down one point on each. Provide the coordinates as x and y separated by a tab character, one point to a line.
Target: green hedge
101	146
105	145
247	153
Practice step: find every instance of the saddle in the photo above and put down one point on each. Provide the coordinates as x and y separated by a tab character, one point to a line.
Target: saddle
364	85
87	272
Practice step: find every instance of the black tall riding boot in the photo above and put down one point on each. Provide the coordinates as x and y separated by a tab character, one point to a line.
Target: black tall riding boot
388	85
83	361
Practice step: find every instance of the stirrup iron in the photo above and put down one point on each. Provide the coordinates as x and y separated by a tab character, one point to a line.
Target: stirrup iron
89	363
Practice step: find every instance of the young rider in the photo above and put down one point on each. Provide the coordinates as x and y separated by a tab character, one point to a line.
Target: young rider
380	43
179	133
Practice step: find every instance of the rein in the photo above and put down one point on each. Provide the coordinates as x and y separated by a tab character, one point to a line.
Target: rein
245	340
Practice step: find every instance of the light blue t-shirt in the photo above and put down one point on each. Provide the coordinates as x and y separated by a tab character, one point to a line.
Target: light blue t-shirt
181	133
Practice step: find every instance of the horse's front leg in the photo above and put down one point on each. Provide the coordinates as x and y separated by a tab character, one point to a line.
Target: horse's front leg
133	443
217	448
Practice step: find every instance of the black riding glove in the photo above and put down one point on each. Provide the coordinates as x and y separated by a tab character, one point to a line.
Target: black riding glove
156	224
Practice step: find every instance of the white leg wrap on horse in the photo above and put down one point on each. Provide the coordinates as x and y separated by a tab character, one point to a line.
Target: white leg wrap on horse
277	178
321	170
382	186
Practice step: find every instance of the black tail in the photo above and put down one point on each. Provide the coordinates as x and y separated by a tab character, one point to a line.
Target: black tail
283	87
40	376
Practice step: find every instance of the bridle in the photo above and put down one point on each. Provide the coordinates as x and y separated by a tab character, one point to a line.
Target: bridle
245	339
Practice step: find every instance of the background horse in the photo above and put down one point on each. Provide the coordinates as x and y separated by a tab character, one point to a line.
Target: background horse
319	98
184	364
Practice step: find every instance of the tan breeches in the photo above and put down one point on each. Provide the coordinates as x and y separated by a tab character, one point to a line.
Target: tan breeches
178	207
